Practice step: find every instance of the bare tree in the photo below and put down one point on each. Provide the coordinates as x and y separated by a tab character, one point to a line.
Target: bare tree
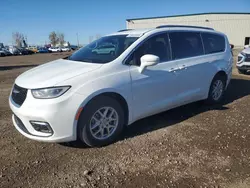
18	38
61	39
53	38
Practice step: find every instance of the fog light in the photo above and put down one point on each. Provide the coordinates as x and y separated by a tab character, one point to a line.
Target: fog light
41	126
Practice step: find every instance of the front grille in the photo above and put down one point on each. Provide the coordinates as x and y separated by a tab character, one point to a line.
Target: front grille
247	59
18	94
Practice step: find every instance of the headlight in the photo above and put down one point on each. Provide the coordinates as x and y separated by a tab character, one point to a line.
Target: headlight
240	58
242	53
48	93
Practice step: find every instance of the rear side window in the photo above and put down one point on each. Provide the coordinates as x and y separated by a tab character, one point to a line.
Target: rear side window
213	43
185	44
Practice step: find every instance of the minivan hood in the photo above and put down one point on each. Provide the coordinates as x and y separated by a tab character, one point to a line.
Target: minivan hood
247	51
49	74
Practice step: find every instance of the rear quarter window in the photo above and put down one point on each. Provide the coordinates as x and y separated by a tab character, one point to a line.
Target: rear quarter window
213	43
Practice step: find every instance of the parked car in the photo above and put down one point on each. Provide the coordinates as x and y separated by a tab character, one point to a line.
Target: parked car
243	63
2	53
66	49
5	52
24	51
33	48
55	49
30	52
105	49
43	50
91	97
14	50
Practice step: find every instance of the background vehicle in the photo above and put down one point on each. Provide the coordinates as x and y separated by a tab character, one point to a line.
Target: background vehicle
30	52
2	53
91	96
33	48
14	50
243	63
43	50
55	49
65	49
24	51
105	49
5	52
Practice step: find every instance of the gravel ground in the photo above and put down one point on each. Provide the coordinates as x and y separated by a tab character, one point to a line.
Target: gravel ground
191	146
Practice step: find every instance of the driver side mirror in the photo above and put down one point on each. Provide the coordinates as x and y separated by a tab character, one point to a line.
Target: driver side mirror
148	60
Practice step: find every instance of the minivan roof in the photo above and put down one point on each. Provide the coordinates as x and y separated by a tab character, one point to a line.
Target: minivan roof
140	32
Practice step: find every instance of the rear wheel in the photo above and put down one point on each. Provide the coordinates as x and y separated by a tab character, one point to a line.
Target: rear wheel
101	122
242	71
217	89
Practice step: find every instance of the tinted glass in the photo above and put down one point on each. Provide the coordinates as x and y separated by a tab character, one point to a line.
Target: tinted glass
213	43
157	45
103	50
185	44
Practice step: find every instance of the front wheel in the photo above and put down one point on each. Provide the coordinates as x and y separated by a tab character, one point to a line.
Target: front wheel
101	122
217	90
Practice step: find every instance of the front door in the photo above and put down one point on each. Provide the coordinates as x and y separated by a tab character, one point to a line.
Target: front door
154	89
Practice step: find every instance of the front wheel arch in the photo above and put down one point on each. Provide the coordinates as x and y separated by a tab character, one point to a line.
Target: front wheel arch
114	95
83	130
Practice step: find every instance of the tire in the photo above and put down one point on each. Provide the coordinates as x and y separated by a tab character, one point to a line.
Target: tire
212	97
86	134
242	71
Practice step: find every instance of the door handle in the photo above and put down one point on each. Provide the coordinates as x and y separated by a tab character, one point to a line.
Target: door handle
174	69
183	67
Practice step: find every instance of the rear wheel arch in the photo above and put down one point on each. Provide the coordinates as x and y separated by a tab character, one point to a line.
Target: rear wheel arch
221	73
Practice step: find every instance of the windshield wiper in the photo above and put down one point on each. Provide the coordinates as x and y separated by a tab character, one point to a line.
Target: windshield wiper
86	60
82	60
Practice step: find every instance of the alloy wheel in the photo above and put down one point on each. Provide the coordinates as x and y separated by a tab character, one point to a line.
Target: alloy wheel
103	123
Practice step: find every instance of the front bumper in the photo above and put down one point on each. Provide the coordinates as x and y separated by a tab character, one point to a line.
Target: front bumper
60	113
243	66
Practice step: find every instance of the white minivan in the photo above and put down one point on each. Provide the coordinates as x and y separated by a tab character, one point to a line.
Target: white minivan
92	96
243	63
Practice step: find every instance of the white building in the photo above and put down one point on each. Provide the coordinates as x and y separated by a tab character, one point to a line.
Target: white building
235	25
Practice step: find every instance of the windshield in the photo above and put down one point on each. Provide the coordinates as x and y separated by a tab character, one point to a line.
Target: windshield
103	50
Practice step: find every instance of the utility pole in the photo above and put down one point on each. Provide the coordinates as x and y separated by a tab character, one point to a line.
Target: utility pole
77	40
